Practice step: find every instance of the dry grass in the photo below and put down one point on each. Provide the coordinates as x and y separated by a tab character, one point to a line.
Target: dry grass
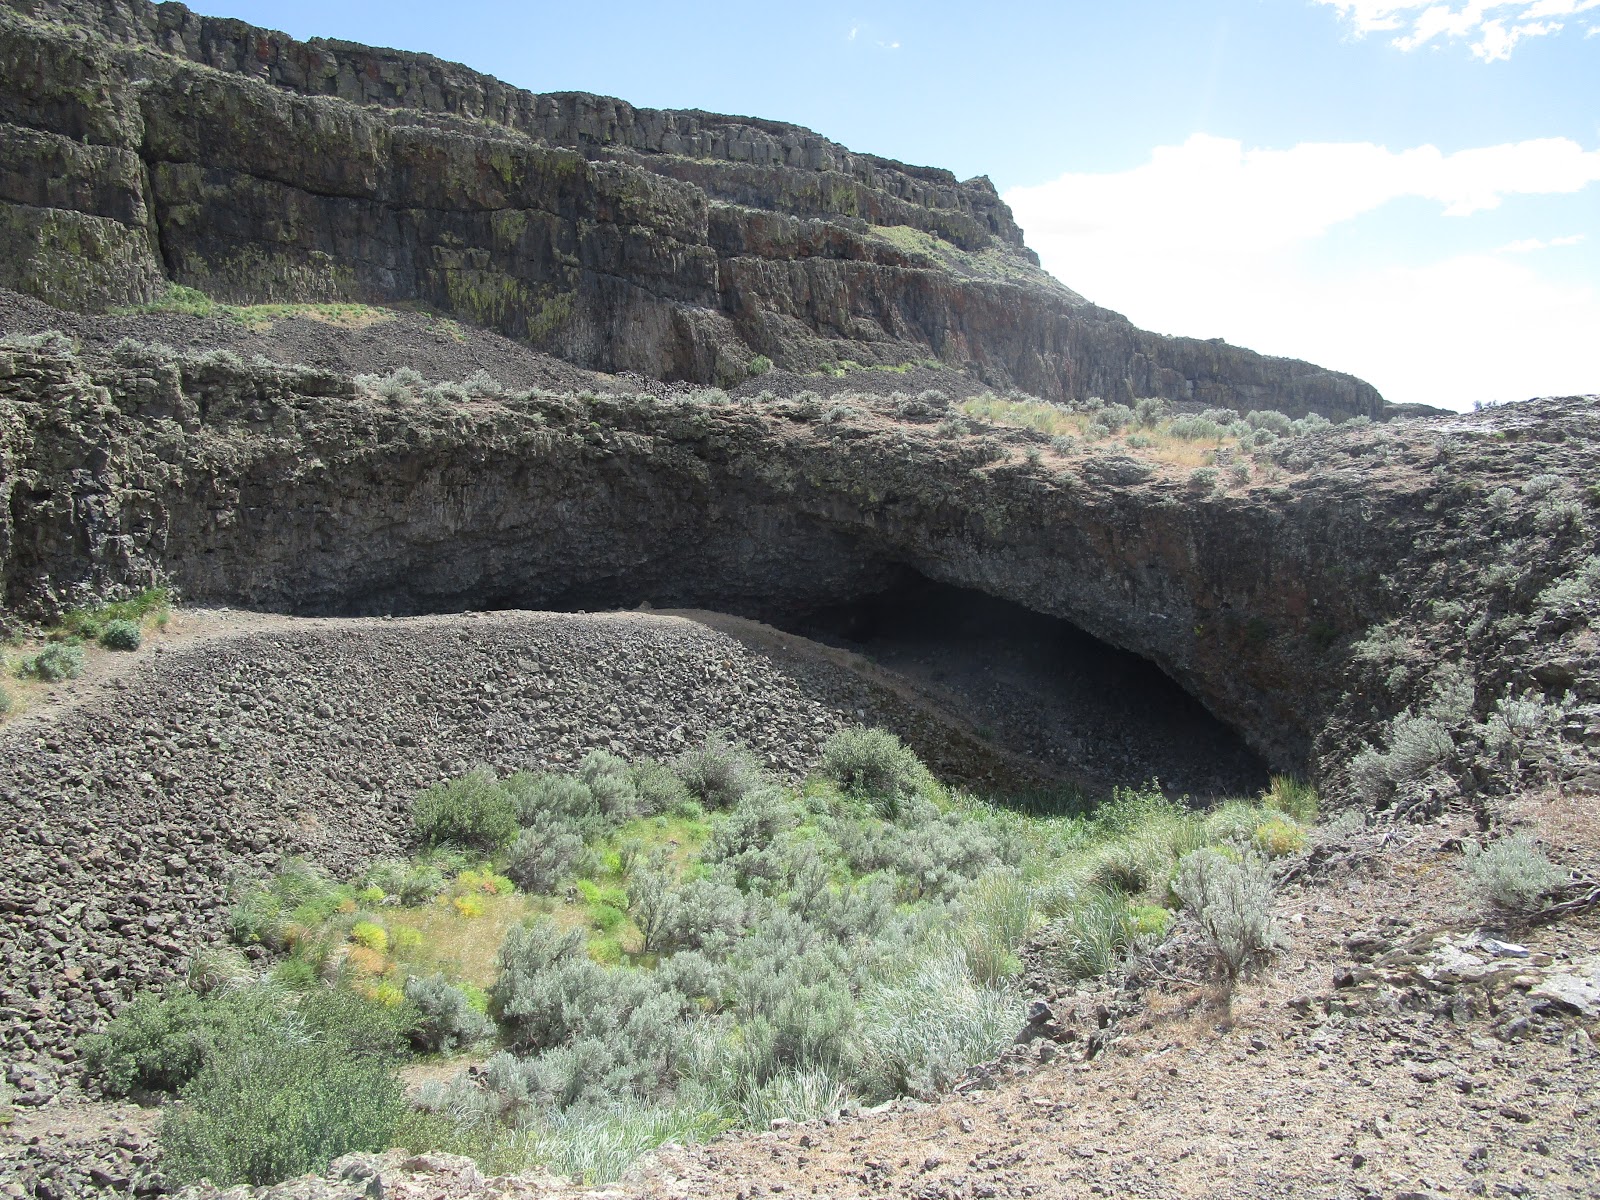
345	316
462	947
1151	442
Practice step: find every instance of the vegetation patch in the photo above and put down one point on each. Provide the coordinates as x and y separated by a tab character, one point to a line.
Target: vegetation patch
1148	429
641	952
192	302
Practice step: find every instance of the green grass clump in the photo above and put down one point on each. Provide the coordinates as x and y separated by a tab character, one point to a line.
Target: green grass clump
194	303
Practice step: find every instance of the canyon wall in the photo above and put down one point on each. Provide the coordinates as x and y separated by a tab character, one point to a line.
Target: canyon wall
146	145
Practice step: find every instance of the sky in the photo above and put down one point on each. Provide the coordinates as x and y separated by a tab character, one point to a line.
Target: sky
1406	191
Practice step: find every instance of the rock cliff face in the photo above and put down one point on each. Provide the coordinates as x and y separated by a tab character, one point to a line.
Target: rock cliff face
301	491
145	144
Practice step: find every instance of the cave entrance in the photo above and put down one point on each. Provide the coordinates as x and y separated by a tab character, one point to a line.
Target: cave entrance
1041	687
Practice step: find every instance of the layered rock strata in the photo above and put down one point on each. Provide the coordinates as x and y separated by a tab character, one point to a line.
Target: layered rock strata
145	144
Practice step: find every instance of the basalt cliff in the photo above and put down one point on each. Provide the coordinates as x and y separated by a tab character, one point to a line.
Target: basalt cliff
146	145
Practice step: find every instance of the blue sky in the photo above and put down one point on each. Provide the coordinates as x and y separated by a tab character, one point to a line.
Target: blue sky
1408	191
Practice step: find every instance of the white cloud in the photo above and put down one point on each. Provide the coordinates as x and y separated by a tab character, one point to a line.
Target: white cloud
1492	28
1528	245
1210	239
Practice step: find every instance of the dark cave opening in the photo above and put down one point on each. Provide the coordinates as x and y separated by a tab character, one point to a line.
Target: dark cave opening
1042	687
1076	707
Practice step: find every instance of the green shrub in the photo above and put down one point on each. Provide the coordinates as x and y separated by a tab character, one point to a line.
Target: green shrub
1149	922
122	635
90	623
160	1041
57	661
544	855
760	365
875	766
474	812
718	773
1512	874
658	787
1278	836
281	1104
1232	900
447	1020
5	700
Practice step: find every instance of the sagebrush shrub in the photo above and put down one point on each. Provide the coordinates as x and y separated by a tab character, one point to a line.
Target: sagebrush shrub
122	635
56	662
1232	900
474	812
932	854
1512	873
1525	729
875	766
544	855
549	991
611	786
718	773
447	1020
1574	596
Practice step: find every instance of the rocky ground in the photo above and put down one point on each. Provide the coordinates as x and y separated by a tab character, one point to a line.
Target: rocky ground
1392	1050
363	341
